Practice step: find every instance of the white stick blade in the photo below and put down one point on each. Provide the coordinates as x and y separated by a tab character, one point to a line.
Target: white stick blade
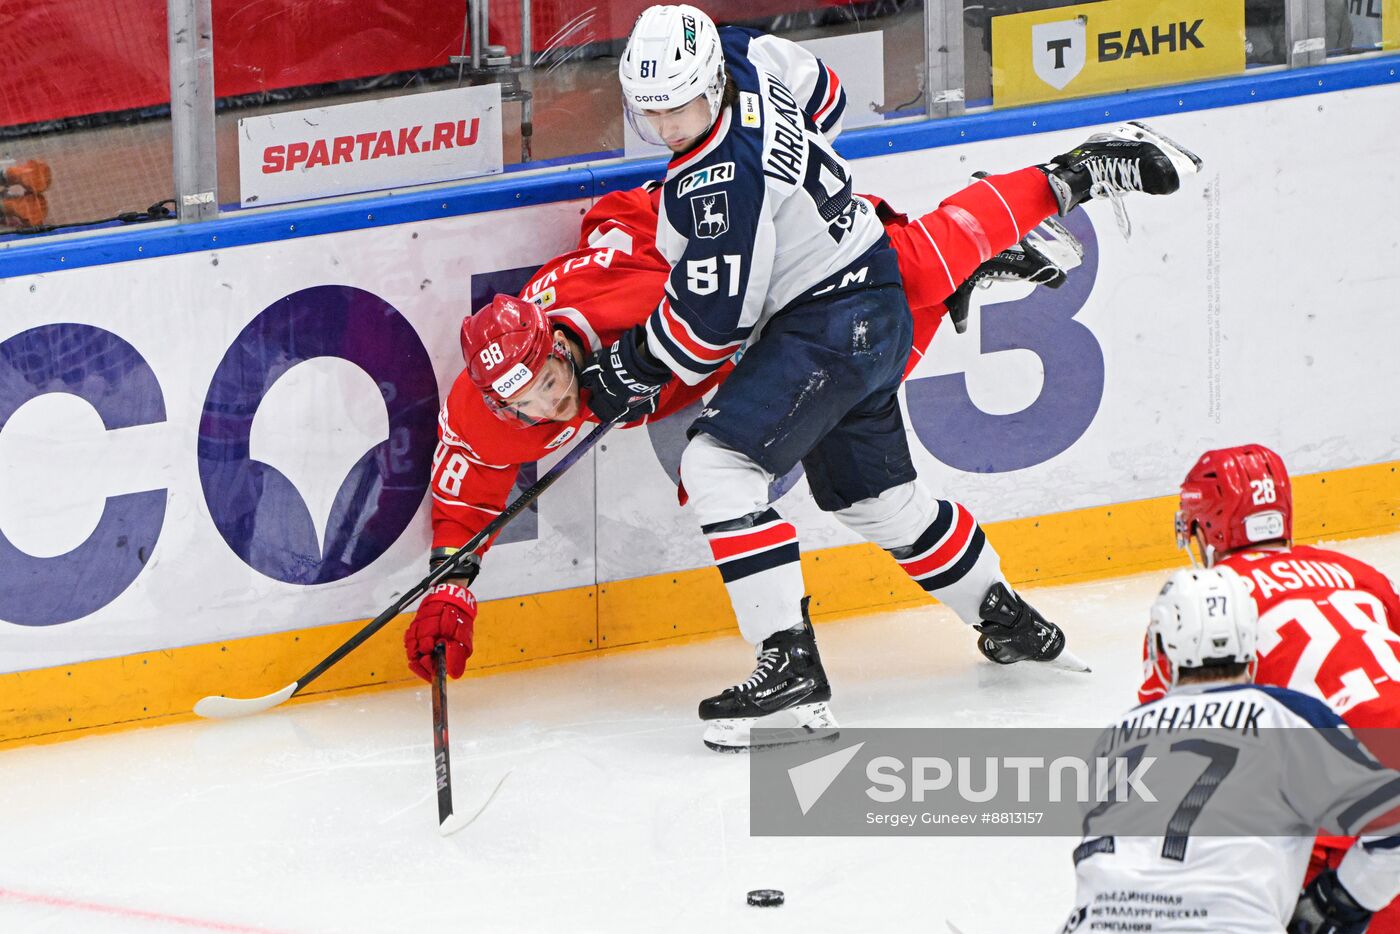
224	708
454	823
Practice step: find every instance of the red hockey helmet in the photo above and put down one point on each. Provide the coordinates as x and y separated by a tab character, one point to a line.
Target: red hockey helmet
506	345
1236	498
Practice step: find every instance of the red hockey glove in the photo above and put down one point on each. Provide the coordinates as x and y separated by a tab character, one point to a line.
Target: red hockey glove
446	615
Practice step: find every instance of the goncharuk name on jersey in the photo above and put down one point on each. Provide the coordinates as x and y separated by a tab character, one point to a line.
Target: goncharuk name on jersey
1240	715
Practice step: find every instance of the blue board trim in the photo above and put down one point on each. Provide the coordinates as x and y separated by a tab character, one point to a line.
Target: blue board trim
39	256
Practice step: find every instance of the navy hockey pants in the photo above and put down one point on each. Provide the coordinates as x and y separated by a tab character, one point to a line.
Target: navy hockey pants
820	386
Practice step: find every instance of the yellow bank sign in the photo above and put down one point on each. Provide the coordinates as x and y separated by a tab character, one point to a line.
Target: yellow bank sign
1115	45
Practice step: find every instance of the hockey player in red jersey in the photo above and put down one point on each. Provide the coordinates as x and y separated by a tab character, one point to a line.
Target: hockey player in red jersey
937	542
1327	621
584	299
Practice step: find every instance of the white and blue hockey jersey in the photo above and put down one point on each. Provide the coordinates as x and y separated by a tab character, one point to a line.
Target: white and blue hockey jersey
1229	761
760	215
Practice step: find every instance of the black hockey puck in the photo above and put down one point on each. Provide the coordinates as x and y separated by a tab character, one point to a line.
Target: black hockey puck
766	898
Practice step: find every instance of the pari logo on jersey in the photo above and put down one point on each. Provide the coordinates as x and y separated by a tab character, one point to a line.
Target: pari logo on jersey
709	175
711	214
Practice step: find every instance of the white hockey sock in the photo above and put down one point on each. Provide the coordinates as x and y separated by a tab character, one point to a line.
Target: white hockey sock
762	569
953	561
756	551
937	542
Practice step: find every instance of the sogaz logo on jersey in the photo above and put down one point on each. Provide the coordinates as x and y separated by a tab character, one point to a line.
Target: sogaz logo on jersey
561	438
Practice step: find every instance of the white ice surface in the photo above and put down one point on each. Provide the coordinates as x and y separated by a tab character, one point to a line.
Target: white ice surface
321	817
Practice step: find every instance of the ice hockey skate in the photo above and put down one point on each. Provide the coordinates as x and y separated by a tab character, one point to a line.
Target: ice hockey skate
1043	257
788	691
1013	631
1129	157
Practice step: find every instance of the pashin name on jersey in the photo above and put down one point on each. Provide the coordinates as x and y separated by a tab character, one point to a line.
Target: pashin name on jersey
1296	574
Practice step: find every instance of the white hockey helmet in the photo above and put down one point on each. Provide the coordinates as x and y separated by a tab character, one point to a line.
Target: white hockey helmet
1202	618
672	57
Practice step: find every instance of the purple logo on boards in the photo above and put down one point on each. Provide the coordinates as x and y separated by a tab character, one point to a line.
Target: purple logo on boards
257	510
108	373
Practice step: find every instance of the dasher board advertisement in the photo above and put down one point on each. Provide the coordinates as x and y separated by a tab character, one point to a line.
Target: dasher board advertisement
370	145
1094	48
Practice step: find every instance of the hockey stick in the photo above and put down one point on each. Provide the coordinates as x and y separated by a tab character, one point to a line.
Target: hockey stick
219	707
442	750
449	822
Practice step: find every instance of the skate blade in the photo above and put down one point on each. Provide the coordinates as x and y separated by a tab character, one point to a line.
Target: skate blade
805	723
1186	161
1062	247
1068	661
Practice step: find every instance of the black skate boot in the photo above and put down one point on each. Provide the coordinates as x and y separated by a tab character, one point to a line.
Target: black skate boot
1012	631
1024	262
788	690
1130	157
1042	257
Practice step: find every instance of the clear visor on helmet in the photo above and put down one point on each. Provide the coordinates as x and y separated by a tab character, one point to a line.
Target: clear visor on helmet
677	128
552	396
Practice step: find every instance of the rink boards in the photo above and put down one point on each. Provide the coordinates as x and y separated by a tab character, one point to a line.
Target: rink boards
214	461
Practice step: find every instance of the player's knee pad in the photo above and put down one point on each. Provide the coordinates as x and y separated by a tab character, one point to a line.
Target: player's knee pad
895	519
722	483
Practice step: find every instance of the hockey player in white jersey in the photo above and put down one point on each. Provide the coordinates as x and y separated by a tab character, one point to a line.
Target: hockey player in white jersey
774	257
1256	757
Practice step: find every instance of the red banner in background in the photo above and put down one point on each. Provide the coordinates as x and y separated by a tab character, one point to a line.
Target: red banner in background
69	58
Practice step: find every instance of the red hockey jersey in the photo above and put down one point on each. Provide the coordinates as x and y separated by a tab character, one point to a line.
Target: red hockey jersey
615	276
1327	627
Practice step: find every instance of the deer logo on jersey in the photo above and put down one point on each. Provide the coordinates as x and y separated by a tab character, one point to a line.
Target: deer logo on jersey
711	215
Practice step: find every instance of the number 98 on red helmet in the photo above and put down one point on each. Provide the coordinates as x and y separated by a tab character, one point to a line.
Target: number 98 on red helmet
524	372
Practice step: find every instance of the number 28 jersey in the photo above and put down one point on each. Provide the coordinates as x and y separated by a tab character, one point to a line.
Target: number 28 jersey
1327	628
